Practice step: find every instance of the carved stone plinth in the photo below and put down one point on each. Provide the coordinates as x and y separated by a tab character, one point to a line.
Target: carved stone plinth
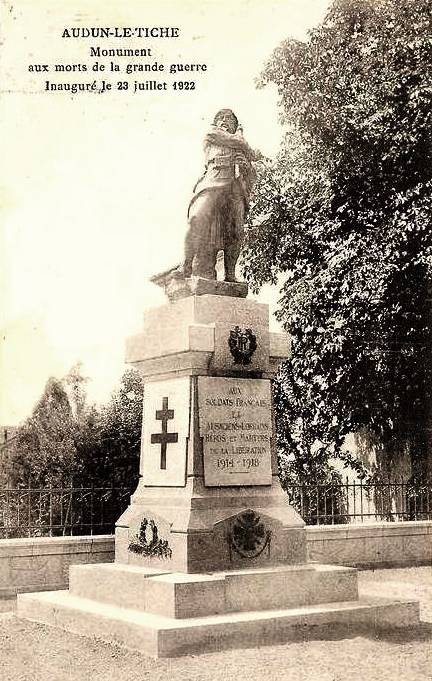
209	472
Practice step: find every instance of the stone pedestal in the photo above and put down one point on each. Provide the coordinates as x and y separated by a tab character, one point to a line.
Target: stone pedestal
209	554
209	488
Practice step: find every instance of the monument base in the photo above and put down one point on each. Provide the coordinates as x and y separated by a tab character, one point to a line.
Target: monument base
209	553
168	614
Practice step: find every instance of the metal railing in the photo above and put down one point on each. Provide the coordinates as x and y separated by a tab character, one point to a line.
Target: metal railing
78	510
61	511
361	501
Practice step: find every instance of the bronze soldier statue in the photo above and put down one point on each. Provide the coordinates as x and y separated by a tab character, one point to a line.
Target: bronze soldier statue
220	200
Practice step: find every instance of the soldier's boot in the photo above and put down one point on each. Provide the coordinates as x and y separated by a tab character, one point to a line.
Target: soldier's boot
185	269
205	263
231	255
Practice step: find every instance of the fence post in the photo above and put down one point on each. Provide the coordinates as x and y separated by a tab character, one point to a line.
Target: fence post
389	500
414	489
91	506
354	498
29	507
348	502
62	523
50	509
428	514
71	506
332	489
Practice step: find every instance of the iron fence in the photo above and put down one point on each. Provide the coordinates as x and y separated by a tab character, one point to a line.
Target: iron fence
359	501
78	510
60	511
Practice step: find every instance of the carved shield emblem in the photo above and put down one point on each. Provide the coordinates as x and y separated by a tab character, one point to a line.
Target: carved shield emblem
242	345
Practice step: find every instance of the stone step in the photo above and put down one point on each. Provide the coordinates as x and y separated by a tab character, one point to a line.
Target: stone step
182	595
113	583
167	637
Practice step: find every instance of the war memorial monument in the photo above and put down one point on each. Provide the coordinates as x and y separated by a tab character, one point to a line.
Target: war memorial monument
210	554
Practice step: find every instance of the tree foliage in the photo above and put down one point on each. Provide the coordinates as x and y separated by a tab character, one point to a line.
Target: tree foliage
44	448
343	215
113	452
66	437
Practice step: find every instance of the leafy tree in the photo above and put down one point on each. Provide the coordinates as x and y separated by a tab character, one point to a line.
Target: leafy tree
67	442
67	437
109	448
343	216
44	449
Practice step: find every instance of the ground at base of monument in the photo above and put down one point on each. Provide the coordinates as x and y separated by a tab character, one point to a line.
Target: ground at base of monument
33	652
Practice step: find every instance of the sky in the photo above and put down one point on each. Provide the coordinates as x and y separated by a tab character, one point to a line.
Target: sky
95	186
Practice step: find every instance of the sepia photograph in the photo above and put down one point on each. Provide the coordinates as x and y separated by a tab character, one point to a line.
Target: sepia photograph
216	340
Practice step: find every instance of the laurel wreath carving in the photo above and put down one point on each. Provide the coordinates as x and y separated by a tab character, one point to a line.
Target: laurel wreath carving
156	547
